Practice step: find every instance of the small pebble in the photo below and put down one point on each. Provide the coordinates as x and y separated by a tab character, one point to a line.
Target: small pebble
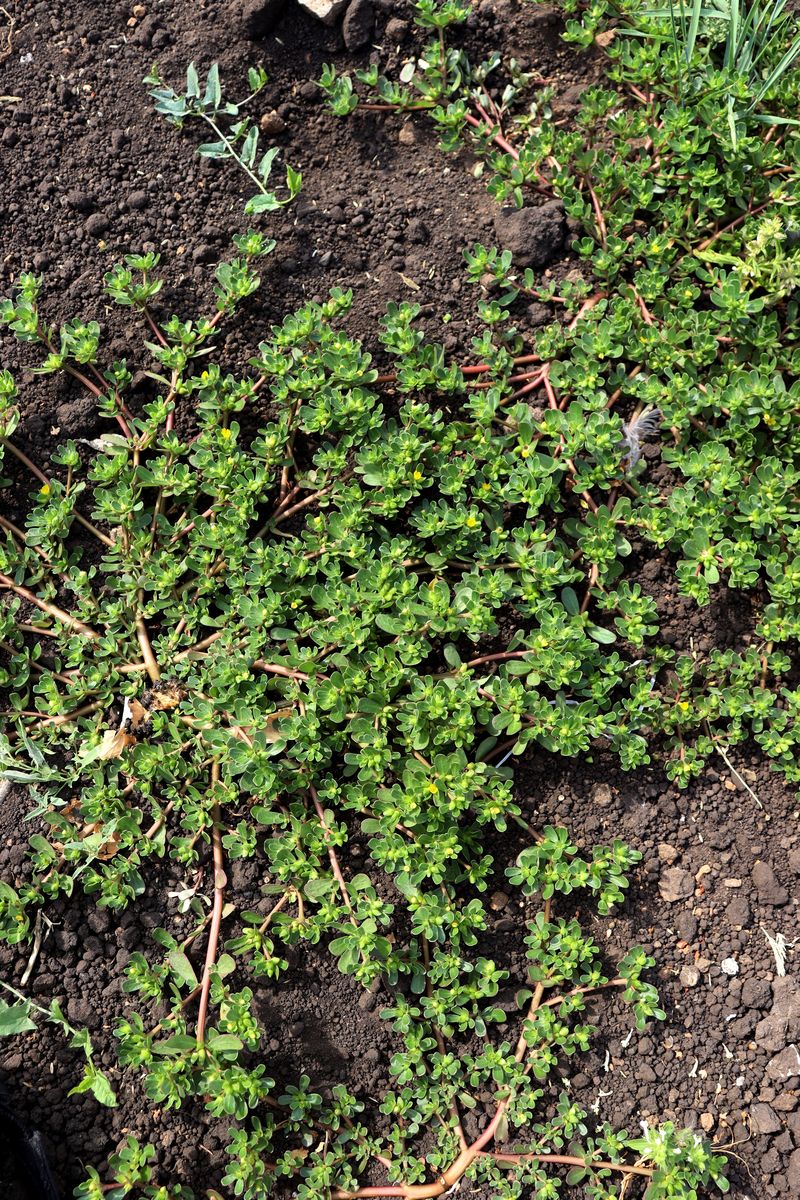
272	123
730	966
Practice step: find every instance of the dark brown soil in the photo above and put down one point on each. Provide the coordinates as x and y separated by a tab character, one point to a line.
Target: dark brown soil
88	174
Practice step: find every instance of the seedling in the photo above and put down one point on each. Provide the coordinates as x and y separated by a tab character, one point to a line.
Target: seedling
239	141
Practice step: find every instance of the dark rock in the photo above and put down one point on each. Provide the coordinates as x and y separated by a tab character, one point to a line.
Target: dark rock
256	18
686	925
204	254
782	1024
417	232
539	314
764	1118
770	891
785	1065
358	25
535	236
119	139
10	137
395	31
138	200
97	224
80	1012
756	993
82	202
793	1175
738	912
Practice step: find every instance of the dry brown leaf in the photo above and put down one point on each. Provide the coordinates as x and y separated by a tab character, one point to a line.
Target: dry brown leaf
606	38
136	715
271	733
113	744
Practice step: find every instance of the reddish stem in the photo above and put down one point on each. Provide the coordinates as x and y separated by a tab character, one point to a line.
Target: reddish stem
50	609
334	861
220	881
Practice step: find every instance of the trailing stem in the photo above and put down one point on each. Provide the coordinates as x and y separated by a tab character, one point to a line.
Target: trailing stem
220	881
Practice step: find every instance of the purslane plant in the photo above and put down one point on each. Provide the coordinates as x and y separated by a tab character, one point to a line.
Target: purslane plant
279	637
310	607
239	142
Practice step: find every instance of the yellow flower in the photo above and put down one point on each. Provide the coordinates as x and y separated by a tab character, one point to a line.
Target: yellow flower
44	490
471	522
226	433
433	789
525	452
417	476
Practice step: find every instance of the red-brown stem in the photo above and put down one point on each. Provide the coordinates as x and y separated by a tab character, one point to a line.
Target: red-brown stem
220	880
150	663
733	224
285	499
57	613
65	718
536	382
162	340
19	534
97	392
487	658
598	216
475	368
334	861
277	669
497	138
592	581
289	512
567	1160
426	1191
614	397
536	999
192	524
647	316
40	475
552	399
196	649
618	981
588	304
